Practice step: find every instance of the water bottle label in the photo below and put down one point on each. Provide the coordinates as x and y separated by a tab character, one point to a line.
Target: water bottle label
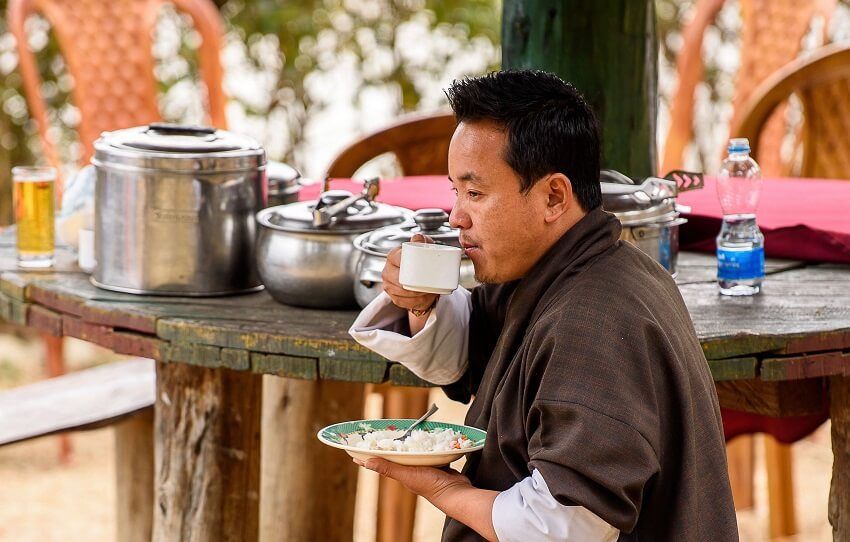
740	264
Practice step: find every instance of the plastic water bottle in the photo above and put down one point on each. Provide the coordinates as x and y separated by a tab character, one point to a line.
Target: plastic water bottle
740	244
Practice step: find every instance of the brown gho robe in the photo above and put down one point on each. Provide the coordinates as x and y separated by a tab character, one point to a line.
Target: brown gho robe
589	370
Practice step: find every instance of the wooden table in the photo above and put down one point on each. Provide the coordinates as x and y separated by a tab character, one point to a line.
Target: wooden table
778	353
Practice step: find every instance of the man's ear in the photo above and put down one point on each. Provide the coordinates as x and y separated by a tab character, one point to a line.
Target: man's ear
559	193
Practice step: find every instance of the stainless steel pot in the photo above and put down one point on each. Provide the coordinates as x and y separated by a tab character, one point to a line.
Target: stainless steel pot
373	248
648	214
284	183
305	254
175	210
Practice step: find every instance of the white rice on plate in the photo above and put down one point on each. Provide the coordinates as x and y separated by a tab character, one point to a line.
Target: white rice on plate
436	440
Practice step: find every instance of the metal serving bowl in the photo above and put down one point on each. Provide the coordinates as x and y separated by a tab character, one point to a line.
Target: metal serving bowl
648	213
306	258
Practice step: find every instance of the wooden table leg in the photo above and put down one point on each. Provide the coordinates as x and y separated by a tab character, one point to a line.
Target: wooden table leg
207	454
397	505
740	455
780	488
308	489
839	489
134	477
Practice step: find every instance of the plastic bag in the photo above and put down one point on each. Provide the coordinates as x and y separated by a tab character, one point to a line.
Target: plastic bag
77	210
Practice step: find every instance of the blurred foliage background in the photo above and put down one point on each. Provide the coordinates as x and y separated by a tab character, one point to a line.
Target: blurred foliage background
306	77
720	52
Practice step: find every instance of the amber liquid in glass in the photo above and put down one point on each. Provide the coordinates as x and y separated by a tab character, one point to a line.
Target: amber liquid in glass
34	215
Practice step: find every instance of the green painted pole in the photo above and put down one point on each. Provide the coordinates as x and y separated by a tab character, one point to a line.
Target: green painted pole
608	49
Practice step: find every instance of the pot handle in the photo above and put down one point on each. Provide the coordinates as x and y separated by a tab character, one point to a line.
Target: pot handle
179	129
322	216
369	277
685	180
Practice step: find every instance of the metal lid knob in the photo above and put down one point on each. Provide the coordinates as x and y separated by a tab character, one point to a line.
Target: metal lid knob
430	219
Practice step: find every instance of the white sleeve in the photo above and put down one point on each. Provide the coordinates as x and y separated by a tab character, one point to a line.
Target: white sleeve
438	353
527	511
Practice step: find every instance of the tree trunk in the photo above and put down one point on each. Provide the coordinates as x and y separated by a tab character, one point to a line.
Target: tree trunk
609	51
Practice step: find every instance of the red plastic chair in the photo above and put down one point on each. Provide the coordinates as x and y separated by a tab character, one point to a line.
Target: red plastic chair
106	45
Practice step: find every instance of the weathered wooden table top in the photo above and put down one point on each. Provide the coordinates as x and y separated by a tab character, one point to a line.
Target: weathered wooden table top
798	328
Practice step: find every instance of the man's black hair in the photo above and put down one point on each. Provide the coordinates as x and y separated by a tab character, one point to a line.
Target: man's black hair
550	127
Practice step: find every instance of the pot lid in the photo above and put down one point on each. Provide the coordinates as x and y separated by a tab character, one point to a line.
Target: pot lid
431	222
174	147
652	200
360	216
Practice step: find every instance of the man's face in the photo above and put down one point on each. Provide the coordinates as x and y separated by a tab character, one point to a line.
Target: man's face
500	228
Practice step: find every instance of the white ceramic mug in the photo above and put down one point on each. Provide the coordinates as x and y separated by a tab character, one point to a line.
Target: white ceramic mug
430	268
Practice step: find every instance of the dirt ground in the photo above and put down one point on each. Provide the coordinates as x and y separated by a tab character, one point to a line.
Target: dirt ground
43	501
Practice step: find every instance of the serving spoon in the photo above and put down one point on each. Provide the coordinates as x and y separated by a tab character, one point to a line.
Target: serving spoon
424	417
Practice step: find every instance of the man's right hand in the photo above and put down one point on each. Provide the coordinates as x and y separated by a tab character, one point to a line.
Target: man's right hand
406	299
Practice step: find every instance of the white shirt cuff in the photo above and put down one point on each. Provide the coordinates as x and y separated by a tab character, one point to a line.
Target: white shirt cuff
528	511
438	353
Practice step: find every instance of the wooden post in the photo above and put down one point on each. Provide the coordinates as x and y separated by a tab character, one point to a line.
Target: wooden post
397	505
308	489
609	51
207	455
839	489
134	477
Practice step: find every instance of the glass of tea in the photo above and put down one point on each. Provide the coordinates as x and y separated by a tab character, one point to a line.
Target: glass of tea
34	214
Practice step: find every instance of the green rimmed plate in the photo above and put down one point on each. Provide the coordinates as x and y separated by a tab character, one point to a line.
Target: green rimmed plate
334	435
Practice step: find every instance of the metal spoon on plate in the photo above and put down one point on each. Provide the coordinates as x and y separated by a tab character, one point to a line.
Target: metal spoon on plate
424	417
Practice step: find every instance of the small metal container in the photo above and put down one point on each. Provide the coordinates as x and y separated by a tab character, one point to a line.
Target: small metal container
284	183
174	211
305	255
648	214
373	248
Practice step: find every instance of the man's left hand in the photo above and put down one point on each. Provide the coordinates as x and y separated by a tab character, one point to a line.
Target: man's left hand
434	484
448	490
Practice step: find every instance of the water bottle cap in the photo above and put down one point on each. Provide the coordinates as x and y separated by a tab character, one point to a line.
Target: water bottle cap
739	144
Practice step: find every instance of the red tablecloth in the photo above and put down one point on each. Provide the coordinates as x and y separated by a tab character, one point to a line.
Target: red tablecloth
787	429
802	219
